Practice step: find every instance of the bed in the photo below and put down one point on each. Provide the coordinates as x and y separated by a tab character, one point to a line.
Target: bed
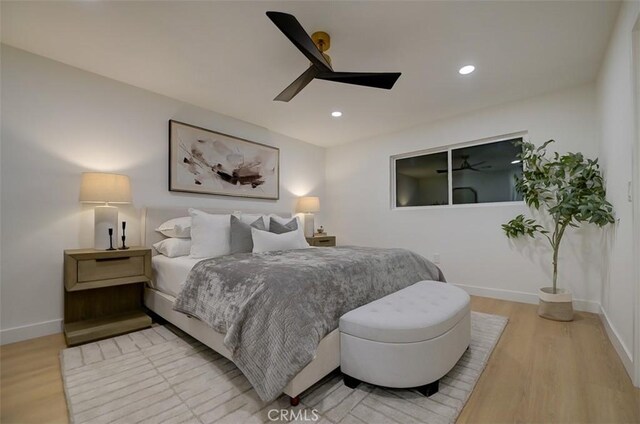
169	273
275	314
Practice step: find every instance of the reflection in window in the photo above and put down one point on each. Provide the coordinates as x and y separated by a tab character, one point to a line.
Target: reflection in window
422	180
486	173
481	173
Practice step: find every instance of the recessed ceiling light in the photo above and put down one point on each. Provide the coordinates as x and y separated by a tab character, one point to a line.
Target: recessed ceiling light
466	70
516	161
336	114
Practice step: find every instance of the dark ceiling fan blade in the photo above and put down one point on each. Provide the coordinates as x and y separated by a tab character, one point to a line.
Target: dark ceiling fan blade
368	79
290	27
442	171
300	83
479	163
481	169
462	168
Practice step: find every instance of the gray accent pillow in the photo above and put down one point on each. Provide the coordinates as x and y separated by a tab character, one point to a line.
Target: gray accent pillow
278	228
241	241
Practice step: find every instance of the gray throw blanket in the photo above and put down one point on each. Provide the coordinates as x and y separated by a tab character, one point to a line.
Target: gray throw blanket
276	307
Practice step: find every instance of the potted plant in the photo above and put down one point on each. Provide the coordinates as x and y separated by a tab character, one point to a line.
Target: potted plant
567	190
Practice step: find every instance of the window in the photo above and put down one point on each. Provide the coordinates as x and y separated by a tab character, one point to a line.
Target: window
471	173
422	180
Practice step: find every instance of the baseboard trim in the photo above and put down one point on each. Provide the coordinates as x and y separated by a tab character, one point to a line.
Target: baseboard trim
30	331
524	297
618	345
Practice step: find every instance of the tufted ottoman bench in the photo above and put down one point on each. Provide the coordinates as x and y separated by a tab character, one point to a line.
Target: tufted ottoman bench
410	338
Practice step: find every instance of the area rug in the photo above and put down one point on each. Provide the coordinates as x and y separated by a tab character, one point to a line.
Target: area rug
161	375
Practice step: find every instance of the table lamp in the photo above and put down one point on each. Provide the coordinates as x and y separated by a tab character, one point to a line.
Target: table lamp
106	189
308	205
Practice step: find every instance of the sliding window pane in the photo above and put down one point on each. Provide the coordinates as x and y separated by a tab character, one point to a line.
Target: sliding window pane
486	173
422	180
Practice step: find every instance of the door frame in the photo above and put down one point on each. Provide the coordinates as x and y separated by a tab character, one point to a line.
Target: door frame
635	195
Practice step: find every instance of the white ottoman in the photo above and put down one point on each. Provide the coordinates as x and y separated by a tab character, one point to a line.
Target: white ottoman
410	338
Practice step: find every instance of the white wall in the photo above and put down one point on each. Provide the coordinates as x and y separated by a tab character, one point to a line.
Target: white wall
471	244
615	87
58	121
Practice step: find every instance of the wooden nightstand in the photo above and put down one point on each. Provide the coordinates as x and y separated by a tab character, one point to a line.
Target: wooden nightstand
325	241
103	292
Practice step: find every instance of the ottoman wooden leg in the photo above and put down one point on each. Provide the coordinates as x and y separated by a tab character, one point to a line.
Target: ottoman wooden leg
350	382
294	401
429	389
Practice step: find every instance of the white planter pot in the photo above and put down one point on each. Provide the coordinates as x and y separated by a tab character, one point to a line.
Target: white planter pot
555	306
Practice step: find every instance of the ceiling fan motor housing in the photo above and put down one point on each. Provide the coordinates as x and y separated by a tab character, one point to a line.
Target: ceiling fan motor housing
322	40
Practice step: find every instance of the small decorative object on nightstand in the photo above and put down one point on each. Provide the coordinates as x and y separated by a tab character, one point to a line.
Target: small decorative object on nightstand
103	292
321	240
124	237
110	231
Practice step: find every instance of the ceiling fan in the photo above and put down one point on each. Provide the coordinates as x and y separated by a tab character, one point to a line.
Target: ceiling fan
314	48
466	165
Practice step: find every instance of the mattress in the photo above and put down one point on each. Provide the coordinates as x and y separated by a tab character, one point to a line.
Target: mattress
171	273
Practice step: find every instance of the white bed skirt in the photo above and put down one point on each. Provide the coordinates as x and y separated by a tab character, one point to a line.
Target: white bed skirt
327	356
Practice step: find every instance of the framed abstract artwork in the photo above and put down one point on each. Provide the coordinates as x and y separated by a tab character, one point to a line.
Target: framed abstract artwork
208	162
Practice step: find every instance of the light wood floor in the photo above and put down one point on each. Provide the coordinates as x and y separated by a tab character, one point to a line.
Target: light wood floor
541	371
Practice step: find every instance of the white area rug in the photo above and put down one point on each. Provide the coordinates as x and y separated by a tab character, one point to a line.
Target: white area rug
156	376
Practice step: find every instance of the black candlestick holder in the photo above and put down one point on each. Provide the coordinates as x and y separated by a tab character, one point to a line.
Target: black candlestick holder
124	237
111	239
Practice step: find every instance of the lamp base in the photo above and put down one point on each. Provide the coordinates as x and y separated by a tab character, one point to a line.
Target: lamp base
105	217
308	225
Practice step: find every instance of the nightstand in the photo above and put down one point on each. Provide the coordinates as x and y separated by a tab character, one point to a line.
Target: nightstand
103	292
325	241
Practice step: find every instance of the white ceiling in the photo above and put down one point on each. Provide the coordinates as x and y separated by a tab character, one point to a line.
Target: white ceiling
228	57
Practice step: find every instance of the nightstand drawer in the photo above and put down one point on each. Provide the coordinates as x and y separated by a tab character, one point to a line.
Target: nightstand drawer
108	268
322	241
87	269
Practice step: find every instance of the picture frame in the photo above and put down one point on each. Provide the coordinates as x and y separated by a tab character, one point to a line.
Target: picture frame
204	161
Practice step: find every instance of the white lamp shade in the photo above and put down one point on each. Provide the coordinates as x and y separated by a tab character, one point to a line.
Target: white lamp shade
308	204
98	187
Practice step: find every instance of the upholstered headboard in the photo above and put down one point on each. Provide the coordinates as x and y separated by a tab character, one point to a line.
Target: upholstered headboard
152	217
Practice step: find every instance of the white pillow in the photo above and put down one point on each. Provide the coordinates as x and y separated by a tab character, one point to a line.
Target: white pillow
174	247
300	232
210	234
264	241
176	227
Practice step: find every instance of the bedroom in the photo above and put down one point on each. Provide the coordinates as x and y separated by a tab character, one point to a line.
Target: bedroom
92	87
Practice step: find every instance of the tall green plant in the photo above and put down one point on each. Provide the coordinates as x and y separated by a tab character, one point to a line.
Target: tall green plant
569	188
